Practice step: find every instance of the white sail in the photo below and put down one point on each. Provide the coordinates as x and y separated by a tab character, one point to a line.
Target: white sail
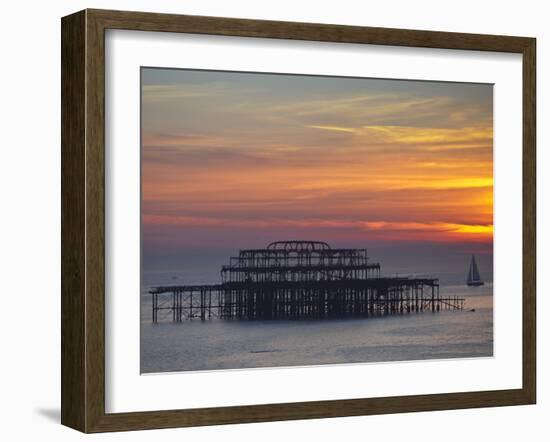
473	273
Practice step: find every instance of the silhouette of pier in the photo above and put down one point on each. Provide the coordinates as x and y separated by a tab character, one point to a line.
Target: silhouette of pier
300	280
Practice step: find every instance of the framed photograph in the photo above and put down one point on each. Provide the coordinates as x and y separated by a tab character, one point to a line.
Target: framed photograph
269	220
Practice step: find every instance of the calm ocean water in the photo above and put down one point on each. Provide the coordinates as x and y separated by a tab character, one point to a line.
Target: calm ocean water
219	344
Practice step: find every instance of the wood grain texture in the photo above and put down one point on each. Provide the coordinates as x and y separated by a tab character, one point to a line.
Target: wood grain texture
83	220
95	221
73	129
529	220
143	21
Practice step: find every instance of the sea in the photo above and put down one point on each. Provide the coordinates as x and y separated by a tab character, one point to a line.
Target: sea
218	344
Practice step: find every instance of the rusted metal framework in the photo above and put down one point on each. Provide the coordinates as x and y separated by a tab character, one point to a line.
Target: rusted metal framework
299	261
301	279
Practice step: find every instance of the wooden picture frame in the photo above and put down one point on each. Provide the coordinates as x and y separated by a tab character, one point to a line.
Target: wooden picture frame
83	220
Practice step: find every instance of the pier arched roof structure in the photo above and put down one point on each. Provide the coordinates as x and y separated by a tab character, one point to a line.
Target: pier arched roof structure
298	246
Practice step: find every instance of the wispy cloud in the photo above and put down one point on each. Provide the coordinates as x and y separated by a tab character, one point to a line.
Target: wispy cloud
333	128
160	93
451	231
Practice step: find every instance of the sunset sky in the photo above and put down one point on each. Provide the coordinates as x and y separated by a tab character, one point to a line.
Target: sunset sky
237	160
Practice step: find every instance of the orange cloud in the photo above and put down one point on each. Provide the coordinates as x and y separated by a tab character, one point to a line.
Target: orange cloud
437	231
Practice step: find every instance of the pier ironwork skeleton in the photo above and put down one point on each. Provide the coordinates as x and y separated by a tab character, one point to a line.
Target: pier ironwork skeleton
300	279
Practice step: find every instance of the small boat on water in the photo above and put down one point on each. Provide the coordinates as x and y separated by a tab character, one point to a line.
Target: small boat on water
474	280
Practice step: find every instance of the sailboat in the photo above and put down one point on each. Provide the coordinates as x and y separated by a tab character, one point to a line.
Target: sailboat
473	274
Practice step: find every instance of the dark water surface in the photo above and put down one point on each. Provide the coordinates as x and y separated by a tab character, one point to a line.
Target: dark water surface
229	344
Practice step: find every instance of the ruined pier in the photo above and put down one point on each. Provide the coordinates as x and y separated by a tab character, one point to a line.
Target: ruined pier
300	280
